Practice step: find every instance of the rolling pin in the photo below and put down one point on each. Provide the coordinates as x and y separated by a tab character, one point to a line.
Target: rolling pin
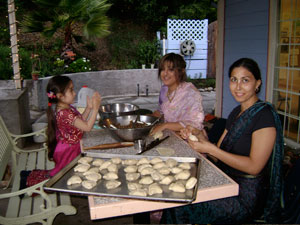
110	145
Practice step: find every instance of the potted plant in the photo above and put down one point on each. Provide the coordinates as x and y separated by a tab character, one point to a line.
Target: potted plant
35	66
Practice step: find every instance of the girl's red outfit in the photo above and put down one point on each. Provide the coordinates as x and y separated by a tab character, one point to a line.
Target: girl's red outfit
68	138
68	146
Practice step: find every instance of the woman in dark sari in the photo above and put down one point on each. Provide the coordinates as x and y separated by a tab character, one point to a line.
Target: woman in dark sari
250	151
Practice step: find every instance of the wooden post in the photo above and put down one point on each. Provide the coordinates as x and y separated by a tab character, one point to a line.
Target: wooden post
14	43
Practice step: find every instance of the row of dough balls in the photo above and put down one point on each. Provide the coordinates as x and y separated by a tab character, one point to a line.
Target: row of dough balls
156	168
157	172
92	174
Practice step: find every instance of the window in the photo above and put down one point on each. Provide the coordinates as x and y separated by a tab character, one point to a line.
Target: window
286	88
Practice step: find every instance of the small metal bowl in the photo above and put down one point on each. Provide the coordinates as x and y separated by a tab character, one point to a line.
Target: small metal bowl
128	134
117	109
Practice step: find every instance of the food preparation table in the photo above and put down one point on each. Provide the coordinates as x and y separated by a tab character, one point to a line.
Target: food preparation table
213	183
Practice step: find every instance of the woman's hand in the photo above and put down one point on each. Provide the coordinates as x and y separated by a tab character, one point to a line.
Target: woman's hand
157	128
201	146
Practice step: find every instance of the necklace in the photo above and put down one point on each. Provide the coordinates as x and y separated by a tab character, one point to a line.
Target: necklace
173	93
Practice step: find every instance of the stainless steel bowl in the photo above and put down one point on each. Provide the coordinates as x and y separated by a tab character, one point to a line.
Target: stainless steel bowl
129	134
117	109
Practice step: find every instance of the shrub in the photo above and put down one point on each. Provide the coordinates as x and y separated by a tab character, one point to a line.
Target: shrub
79	65
6	70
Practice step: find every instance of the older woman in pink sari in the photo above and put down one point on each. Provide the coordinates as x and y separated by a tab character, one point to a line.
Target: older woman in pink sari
180	103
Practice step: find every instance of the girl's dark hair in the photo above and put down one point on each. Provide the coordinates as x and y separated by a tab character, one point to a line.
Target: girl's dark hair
250	65
57	84
176	62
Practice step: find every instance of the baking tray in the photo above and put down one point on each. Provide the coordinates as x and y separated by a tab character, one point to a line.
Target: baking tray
59	181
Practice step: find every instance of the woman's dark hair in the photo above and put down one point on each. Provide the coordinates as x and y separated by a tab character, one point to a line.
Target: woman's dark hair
57	84
176	62
250	65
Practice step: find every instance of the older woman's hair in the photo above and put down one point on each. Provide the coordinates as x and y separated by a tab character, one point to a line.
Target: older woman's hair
176	62
250	65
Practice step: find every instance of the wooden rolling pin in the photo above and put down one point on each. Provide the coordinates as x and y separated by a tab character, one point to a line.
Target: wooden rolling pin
110	145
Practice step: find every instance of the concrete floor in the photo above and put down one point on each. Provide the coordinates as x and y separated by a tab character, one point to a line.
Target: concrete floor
81	202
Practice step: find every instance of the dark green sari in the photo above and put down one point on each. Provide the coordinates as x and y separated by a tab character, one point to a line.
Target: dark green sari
252	190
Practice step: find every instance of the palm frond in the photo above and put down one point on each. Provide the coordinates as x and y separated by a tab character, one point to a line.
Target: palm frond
97	26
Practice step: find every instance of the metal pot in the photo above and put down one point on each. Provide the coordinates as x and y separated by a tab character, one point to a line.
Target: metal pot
117	109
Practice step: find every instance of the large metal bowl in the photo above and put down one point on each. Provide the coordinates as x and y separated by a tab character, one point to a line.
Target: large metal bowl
129	134
117	109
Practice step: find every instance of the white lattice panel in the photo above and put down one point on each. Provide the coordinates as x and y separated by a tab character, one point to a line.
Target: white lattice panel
187	30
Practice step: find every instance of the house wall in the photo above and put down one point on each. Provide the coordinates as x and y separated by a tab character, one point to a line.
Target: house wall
245	35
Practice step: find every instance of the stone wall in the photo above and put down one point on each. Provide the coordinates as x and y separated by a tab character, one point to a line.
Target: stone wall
107	83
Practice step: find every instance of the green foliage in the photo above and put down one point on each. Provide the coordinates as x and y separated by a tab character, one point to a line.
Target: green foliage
6	71
148	52
51	15
203	83
155	13
79	65
4	36
25	63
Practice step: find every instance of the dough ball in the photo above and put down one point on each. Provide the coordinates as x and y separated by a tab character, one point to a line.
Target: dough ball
98	162
134	186
193	138
190	184
112	184
85	160
93	176
132	176
138	192
130	169
91	170
88	184
183	175
116	160
155	160
129	162
157	176
159	165
167	180
110	176
185	166
112	168
158	135
177	187
74	180
105	165
81	168
146	180
165	151
143	161
154	189
176	170
143	166
171	163
147	171
164	170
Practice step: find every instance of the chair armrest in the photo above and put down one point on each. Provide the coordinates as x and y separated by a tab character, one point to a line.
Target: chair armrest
16	137
37	189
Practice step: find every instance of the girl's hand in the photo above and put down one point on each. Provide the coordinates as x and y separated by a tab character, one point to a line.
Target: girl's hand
96	101
187	131
89	103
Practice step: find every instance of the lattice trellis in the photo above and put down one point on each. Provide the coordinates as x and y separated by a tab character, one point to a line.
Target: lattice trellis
180	30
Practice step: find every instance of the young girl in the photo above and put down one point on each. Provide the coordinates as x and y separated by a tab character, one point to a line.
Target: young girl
65	127
65	123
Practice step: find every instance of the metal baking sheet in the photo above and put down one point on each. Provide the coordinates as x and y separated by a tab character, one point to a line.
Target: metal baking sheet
59	181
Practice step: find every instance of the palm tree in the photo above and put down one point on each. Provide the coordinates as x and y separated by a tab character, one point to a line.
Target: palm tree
52	15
